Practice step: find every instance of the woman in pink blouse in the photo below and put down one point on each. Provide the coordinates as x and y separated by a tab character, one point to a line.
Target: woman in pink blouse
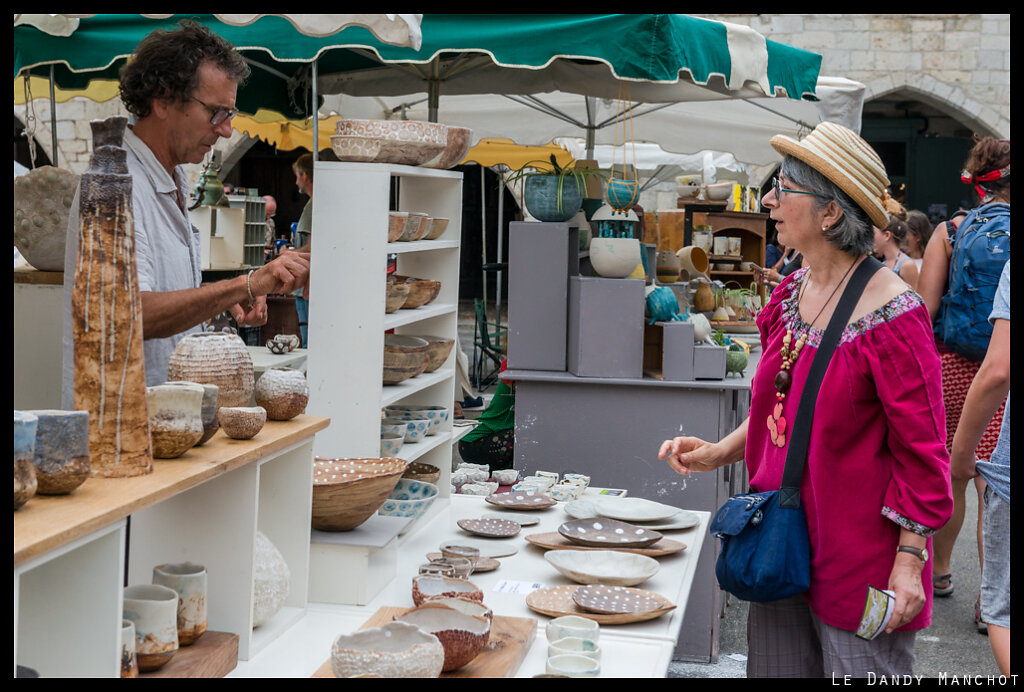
876	484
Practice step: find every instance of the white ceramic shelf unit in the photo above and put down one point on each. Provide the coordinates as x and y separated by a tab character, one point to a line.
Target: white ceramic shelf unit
347	321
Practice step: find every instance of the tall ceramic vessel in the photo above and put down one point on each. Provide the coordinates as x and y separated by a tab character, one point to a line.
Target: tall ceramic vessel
110	378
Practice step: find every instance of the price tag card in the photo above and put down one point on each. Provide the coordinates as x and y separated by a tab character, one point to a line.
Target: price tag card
517	587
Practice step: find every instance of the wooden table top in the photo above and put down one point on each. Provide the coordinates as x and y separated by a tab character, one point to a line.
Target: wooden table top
47	522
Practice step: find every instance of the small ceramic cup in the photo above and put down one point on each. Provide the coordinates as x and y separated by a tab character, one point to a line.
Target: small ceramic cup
572	626
437	569
462	567
505	476
242	422
573	665
451	550
211	425
575	645
189	581
175	417
153	609
129	662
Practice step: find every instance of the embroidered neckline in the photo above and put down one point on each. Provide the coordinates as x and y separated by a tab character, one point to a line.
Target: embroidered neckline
904	302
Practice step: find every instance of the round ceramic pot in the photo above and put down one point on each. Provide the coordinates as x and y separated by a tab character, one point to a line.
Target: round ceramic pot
154	611
242	422
271	581
662	304
615	258
61	451
175	417
189	582
283	391
219	358
541	196
129	661
667	266
622	194
24	457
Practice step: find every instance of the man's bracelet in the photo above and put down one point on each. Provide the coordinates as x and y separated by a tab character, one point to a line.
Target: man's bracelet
248	288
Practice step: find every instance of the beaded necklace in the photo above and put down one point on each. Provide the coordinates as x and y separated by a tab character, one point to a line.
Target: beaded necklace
777	424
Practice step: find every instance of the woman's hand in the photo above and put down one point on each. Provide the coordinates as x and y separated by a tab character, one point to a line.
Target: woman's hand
688	454
905	582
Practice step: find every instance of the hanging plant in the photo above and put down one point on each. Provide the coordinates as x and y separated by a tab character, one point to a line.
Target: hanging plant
554	194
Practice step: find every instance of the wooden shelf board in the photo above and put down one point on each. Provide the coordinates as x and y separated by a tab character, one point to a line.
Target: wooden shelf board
213	655
47	522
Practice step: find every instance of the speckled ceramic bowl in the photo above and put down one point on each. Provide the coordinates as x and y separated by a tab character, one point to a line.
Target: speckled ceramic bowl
394	650
242	422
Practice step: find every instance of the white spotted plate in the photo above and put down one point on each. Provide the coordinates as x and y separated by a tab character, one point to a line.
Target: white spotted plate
599	598
608	533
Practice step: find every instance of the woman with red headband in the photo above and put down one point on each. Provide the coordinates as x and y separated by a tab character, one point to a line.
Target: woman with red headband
988	169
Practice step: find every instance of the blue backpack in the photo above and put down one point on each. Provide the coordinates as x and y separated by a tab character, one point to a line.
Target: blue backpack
981	246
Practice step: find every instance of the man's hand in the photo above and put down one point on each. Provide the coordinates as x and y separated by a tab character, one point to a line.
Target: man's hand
254	317
285	274
905	582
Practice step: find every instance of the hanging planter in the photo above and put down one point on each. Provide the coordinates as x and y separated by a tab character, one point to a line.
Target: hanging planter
555	194
623	194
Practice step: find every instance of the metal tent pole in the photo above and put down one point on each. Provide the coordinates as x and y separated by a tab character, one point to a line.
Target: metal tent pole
316	120
53	117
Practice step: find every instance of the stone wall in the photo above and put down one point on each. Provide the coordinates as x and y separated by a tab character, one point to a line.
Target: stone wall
956	63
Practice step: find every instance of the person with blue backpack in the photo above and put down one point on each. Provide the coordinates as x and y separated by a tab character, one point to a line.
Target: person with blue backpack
959	278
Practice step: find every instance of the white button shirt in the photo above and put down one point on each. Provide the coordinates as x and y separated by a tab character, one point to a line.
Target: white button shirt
167	253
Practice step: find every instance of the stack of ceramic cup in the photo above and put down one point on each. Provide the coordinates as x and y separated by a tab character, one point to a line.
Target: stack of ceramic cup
573	649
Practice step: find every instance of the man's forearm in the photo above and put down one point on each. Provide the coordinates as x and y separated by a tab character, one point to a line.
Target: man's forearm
168	313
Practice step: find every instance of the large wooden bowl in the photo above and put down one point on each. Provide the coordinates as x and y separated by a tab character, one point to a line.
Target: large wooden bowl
437	350
397	294
421	291
347	492
404	357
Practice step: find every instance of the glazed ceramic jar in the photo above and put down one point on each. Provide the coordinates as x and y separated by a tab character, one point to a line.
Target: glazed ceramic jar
219	358
283	392
175	417
24	453
61	451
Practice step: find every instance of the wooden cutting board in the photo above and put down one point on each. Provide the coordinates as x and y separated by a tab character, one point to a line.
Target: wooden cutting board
509	642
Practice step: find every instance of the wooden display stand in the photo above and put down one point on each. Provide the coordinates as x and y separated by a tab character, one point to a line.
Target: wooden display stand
214	655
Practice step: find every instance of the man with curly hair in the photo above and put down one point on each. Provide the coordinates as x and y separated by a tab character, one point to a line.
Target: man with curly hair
181	87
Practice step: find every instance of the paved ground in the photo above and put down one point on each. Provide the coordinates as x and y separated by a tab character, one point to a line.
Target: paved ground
950	646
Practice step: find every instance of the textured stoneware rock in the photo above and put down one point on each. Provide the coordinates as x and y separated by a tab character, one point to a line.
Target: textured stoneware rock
463	636
283	391
242	422
189	582
394	650
24	455
61	450
129	661
175	417
154	611
426	587
106	314
42	202
347	492
219	358
271	581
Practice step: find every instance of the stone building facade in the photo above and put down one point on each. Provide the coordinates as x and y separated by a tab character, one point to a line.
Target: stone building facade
953	68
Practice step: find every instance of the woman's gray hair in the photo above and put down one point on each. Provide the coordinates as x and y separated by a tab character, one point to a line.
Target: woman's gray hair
854	232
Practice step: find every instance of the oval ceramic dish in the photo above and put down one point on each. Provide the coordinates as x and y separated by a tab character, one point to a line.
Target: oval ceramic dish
556	541
518	517
409	499
483	564
521	501
618	600
611	567
602	533
492	528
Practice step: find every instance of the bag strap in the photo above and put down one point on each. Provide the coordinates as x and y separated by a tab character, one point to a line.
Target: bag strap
799	436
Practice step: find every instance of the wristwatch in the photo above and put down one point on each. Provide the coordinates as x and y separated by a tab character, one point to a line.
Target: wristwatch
921	553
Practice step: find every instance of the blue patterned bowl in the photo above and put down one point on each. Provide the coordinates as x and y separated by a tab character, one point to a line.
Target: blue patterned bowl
409	499
434	415
415	429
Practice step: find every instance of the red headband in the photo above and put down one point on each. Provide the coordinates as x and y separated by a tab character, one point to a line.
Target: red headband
995	174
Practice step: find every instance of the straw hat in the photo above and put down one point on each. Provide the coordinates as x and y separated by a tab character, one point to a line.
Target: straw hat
842	156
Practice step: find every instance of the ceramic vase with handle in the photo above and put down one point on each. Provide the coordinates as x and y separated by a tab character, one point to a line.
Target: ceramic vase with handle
106	313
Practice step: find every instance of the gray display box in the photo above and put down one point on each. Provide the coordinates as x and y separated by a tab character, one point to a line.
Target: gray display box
708	362
668	351
606	327
541	258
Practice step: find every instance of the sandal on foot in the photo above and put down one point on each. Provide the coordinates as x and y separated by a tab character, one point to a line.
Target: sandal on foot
942	584
978	624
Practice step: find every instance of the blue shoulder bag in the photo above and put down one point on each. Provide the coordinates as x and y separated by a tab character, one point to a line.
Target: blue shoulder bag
765	551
